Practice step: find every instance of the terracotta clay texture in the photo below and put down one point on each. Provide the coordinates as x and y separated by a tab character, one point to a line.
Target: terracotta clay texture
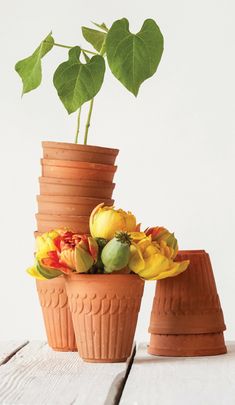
73	187
57	318
68	169
79	153
187	304
47	222
204	344
104	311
66	205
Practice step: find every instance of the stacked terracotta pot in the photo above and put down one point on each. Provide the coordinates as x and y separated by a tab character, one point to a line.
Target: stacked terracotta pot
186	318
75	178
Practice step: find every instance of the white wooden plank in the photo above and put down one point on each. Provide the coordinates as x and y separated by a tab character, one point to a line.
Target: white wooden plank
181	381
39	376
8	349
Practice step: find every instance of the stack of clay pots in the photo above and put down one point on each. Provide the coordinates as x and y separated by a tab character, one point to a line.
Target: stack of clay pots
75	178
186	318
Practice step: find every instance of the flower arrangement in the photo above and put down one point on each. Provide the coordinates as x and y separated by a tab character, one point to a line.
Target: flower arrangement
115	245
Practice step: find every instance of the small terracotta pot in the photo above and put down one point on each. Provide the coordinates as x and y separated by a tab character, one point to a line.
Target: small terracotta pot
57	318
73	187
47	222
104	311
80	153
204	344
187	305
66	205
68	169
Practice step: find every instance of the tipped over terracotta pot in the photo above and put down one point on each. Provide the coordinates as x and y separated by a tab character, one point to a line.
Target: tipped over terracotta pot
79	153
104	310
57	318
186	314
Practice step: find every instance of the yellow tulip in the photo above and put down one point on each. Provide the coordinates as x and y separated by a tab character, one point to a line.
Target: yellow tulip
149	263
106	221
166	240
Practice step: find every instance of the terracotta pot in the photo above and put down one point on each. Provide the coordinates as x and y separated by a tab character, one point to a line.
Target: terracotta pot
104	311
66	205
204	344
57	318
47	222
73	187
187	305
68	169
80	153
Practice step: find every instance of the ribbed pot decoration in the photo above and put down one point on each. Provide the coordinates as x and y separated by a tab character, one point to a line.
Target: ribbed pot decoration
57	318
104	310
187	318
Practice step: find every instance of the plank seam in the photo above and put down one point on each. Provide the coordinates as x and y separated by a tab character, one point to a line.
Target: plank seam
118	396
13	353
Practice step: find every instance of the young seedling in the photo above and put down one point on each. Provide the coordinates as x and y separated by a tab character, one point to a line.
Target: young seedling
132	59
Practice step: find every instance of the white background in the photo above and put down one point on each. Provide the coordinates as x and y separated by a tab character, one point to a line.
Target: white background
176	140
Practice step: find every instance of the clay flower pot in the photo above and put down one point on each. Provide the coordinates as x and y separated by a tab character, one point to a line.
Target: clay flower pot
68	169
57	318
68	205
47	222
73	187
104	310
79	153
186	315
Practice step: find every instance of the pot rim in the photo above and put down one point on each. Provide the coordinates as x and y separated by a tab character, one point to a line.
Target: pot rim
86	148
78	165
85	277
77	200
76	182
58	217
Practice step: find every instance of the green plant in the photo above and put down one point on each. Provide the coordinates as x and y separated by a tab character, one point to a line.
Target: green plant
132	59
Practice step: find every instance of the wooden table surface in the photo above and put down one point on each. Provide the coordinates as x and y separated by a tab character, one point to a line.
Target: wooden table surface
33	374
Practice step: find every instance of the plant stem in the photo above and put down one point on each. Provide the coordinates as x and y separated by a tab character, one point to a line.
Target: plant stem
70	47
78	124
88	121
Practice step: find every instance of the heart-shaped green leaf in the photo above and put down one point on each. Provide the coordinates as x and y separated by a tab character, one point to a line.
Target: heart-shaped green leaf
30	69
76	82
94	37
133	58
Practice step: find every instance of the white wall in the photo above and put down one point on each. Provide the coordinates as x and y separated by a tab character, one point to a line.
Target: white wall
176	140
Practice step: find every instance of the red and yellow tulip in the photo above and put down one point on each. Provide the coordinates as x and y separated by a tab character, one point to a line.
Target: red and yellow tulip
61	252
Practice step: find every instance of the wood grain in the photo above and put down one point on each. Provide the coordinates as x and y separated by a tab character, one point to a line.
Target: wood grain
8	349
181	381
39	376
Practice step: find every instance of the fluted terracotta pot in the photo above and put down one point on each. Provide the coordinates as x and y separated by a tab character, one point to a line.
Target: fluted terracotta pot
73	187
68	205
57	318
187	318
104	310
79	153
69	169
47	222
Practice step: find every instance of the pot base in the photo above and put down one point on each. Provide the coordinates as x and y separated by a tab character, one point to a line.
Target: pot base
64	349
207	344
105	360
